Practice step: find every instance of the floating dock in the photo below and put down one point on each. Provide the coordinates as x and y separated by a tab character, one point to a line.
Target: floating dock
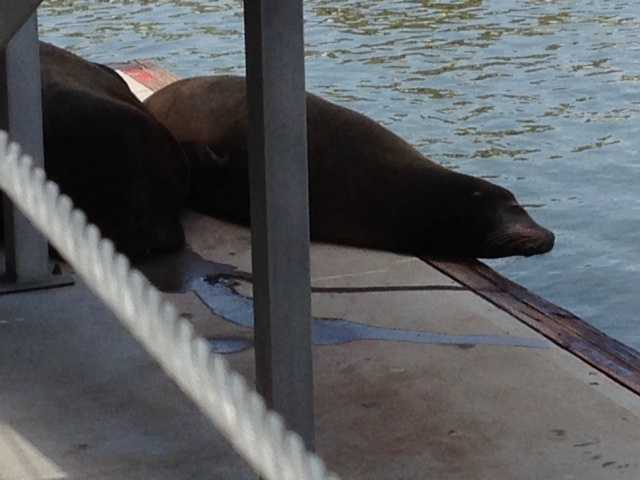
423	370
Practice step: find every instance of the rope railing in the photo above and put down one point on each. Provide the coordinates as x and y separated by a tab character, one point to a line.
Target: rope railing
240	414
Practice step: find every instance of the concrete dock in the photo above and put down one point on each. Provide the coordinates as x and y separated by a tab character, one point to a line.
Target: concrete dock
81	399
452	387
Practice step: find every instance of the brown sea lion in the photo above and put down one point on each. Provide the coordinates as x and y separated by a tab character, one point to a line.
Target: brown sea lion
110	155
368	187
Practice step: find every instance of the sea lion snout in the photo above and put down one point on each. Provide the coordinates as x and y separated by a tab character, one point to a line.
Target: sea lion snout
537	241
518	234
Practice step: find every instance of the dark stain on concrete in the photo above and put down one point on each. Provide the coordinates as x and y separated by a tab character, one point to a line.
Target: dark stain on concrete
214	284
223	300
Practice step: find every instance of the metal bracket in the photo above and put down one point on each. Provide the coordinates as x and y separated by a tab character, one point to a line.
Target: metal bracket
13	15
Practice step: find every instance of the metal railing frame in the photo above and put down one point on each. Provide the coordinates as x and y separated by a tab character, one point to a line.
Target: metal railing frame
279	189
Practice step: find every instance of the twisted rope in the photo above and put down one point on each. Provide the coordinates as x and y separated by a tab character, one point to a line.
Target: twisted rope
258	434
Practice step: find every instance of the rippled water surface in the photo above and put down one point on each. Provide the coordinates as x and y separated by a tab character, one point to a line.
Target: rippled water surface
542	97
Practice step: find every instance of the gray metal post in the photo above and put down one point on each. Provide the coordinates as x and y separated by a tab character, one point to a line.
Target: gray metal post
279	208
27	256
26	251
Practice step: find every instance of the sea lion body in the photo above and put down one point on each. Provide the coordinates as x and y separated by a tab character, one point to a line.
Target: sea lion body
368	187
110	155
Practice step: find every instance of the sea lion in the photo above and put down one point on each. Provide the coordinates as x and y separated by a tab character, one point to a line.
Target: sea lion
110	155
368	187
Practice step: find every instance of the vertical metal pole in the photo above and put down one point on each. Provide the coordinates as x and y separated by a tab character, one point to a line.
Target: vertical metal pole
279	208
21	114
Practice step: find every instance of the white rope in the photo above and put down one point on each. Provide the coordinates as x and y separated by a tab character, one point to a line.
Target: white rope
237	410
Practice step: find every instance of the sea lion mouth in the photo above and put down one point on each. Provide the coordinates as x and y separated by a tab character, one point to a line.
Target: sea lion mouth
519	240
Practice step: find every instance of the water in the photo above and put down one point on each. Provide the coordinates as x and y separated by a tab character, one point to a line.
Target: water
542	97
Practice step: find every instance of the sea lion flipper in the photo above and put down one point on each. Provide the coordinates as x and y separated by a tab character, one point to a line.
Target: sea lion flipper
206	167
202	157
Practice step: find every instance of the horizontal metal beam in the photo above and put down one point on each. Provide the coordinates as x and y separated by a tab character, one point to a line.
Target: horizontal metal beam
279	209
13	14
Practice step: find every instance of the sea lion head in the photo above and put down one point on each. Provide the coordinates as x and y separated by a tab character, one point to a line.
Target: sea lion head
490	223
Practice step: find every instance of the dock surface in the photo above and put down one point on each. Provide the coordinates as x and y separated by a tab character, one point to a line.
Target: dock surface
417	375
